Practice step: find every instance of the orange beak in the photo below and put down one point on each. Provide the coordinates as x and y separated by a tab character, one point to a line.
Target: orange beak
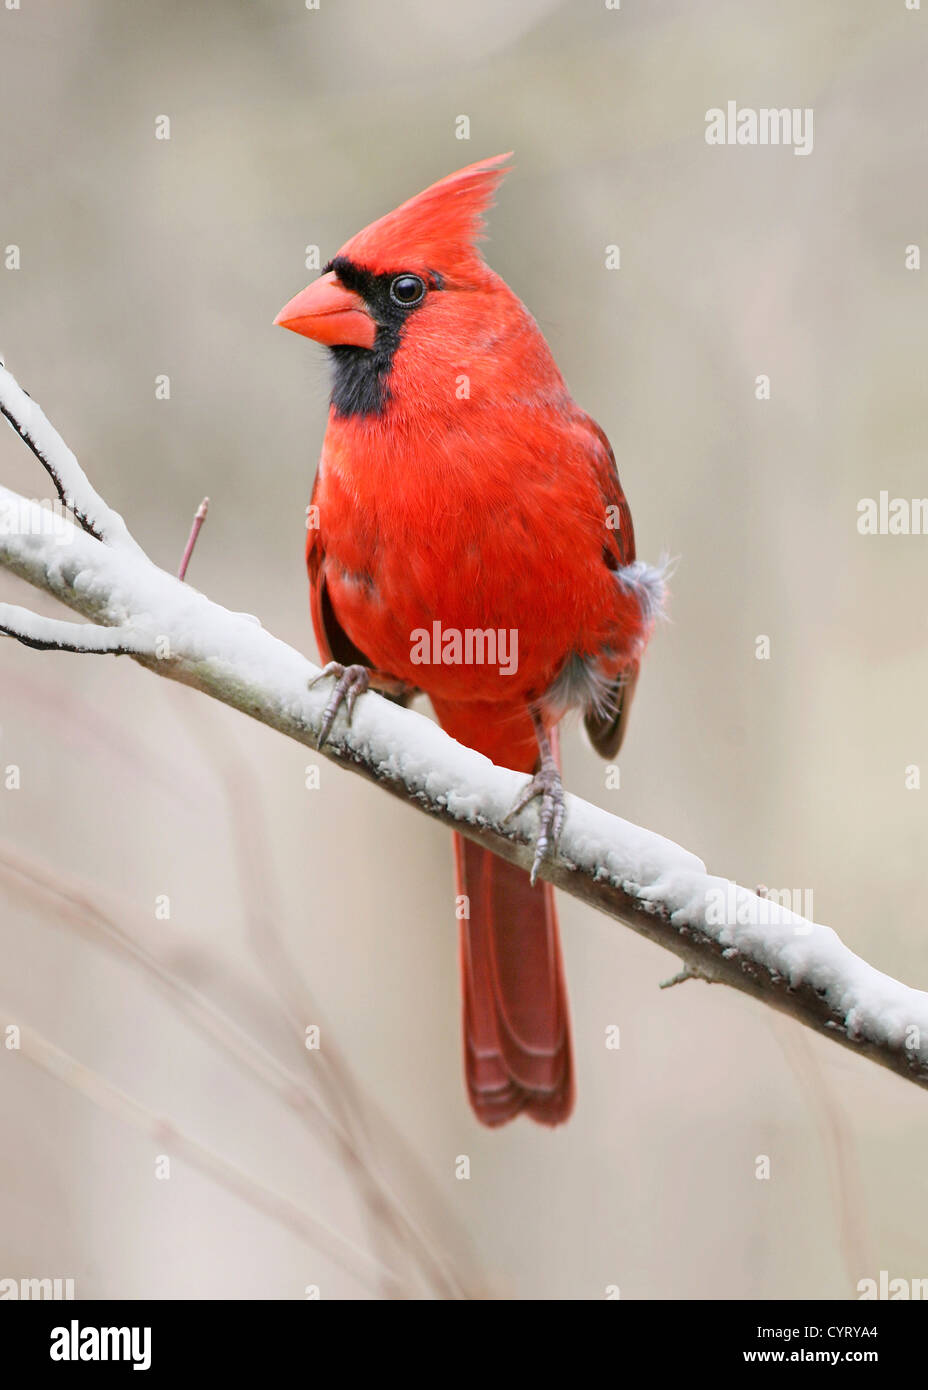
328	313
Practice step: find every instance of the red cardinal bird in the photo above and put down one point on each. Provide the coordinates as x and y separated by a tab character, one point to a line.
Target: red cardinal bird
463	497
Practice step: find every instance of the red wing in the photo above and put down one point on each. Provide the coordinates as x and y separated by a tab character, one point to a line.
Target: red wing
607	729
617	511
331	638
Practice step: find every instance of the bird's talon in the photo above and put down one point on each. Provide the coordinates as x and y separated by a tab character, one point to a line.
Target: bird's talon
350	682
546	784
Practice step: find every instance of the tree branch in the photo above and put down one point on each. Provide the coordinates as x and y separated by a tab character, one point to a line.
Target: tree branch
720	931
53	635
62	467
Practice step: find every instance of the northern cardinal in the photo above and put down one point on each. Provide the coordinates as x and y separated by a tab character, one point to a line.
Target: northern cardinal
461	491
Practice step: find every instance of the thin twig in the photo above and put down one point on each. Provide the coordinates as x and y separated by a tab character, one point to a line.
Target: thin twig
198	520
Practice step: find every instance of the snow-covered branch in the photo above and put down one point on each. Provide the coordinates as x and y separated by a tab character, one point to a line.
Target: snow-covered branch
71	482
723	933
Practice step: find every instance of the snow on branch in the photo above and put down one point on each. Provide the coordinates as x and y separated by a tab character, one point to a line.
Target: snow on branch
722	933
62	467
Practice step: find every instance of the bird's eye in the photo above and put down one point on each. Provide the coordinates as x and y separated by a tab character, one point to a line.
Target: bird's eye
407	290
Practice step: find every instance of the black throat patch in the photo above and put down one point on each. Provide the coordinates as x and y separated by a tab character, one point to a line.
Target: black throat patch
361	378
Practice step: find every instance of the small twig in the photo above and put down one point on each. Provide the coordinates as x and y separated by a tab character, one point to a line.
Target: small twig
681	977
195	529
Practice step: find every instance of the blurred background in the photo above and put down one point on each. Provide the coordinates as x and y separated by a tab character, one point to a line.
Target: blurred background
142	257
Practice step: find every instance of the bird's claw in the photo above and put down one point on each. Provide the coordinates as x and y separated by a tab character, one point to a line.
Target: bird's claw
547	785
350	682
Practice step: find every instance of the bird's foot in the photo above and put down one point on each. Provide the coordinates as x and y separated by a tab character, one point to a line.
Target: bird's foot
350	682
547	785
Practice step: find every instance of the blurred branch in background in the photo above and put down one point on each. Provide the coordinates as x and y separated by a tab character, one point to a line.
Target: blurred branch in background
838	1151
339	1121
368	1270
360	1131
721	932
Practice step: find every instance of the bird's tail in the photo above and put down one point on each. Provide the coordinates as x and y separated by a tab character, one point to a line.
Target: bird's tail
517	1049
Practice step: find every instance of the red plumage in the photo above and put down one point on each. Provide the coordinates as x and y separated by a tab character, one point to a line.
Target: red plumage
460	484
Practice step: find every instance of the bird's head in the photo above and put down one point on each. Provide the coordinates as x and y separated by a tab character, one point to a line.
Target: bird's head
409	299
